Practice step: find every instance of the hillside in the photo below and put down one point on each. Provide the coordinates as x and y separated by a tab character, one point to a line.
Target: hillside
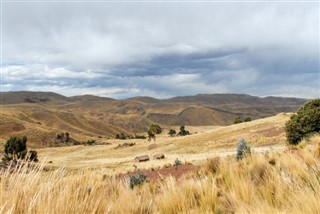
42	115
205	142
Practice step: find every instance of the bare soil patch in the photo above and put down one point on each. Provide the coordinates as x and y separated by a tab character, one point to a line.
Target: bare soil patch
158	174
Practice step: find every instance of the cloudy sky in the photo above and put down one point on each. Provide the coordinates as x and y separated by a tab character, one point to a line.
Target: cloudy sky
161	49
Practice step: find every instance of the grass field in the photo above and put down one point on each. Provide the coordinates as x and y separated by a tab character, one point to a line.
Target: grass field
277	182
84	179
205	142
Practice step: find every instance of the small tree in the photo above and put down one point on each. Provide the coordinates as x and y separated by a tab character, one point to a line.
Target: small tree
153	130
172	132
151	136
304	123
183	131
15	148
237	120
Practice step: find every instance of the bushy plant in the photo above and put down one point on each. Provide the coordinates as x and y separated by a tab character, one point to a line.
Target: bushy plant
90	142
172	132
183	131
237	120
304	123
137	180
33	156
64	137
15	148
121	136
153	130
247	119
243	149
177	162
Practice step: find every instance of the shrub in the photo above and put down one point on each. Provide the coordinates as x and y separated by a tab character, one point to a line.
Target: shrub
121	136
237	120
15	148
183	131
177	162
304	123
64	137
90	142
172	132
247	119
33	156
153	130
243	149
137	180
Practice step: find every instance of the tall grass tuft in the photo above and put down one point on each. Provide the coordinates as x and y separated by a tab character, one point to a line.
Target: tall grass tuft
290	184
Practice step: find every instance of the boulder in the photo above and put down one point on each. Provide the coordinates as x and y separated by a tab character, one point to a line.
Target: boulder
142	158
158	156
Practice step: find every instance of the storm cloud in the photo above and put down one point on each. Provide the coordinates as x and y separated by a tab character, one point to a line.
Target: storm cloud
161	49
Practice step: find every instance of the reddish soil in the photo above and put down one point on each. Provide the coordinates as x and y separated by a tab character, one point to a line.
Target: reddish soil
11	127
158	174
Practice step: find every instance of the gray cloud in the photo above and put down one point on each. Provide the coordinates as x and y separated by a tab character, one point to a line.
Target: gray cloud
161	49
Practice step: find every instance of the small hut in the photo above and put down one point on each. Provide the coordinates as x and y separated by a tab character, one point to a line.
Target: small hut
142	158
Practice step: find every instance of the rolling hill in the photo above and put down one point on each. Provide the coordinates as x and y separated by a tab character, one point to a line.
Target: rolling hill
42	115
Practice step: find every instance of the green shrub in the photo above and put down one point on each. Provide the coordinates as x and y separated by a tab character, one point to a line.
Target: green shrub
237	120
90	142
137	180
15	148
121	136
172	132
304	123
247	119
153	130
177	162
243	149
183	131
33	156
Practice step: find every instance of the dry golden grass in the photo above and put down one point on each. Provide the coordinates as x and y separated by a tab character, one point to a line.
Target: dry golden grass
196	148
289	185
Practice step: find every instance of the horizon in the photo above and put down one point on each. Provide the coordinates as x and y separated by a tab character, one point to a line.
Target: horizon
190	95
161	49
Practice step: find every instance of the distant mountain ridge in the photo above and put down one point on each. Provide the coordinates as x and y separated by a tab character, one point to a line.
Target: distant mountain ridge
15	97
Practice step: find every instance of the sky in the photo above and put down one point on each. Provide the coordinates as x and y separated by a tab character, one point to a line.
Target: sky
161	49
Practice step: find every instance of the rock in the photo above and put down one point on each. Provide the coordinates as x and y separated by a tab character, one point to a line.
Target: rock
142	158
158	156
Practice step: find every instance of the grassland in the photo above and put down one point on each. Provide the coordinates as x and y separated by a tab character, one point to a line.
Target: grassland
205	142
276	182
84	179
